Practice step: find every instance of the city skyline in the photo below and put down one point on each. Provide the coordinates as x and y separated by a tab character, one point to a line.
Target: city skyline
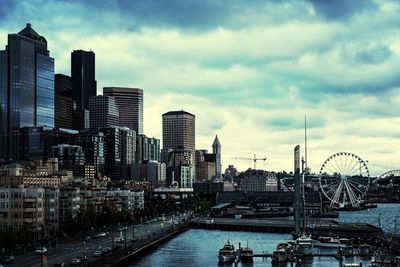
334	62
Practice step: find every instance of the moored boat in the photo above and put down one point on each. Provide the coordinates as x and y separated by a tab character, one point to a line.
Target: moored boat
328	242
246	254
227	253
279	255
304	245
364	249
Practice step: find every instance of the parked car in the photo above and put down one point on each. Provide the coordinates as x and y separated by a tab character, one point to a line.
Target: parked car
83	259
97	253
106	250
41	250
9	259
75	262
119	240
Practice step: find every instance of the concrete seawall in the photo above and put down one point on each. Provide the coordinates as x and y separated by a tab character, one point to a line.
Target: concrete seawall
143	248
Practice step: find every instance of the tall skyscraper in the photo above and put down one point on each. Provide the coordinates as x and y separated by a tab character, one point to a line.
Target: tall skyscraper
84	85
130	103
26	87
63	104
104	112
216	146
179	131
179	143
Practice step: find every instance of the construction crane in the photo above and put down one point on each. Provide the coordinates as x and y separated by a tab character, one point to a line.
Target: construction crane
255	159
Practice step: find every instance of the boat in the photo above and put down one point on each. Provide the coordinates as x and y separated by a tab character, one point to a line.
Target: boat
227	253
246	254
382	259
304	244
328	242
364	249
279	255
348	250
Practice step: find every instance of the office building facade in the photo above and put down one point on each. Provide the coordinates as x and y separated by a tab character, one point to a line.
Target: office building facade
26	87
103	112
63	101
92	143
130	103
84	85
147	148
68	156
120	149
179	130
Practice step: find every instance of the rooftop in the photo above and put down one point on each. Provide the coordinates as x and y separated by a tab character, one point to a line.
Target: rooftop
178	112
31	33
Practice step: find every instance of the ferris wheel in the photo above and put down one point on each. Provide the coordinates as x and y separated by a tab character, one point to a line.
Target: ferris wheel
344	179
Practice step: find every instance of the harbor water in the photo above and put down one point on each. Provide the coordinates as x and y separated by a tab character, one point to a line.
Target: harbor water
198	247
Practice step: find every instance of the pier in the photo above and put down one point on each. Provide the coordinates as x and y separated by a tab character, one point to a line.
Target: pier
252	225
285	225
139	247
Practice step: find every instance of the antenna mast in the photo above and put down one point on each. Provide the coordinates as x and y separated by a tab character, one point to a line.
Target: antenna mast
305	142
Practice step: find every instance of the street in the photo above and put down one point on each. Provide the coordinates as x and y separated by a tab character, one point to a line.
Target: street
67	251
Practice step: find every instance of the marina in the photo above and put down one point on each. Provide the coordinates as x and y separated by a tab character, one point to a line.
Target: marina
198	249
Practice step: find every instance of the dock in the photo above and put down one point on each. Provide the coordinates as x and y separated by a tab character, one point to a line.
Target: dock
252	225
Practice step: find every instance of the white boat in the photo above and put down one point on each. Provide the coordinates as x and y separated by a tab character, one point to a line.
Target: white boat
227	253
328	243
304	245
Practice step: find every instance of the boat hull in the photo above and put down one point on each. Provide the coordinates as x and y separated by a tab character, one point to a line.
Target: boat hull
246	258
226	258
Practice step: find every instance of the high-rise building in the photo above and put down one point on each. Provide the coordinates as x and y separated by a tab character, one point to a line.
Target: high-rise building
205	165
151	171
35	142
130	103
128	151
120	148
26	86
179	146
147	148
104	112
180	168
68	156
216	146
92	143
63	101
84	85
179	130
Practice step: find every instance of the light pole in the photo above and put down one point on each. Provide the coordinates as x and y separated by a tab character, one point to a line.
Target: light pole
84	249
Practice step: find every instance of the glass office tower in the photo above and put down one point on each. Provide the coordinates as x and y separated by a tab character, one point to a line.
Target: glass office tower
26	86
83	86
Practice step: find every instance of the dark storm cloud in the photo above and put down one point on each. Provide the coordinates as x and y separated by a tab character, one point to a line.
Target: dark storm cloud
341	9
5	8
197	14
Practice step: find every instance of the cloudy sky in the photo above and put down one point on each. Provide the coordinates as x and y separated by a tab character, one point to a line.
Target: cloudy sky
248	70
